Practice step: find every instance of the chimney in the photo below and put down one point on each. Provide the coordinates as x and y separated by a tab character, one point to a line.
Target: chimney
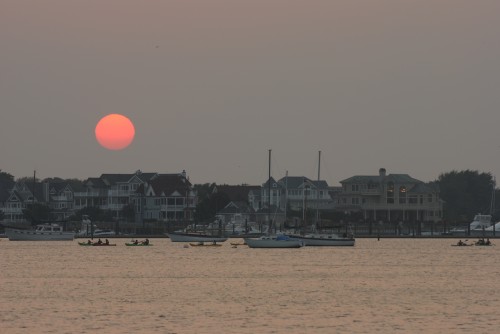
381	172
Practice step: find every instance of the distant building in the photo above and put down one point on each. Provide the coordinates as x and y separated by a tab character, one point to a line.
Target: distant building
111	191
393	197
166	197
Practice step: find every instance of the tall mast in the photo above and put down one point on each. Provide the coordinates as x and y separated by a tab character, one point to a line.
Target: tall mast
317	192
269	195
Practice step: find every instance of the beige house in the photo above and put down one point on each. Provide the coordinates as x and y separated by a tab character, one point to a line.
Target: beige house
390	198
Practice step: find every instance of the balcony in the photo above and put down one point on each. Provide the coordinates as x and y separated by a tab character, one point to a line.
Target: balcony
86	194
370	192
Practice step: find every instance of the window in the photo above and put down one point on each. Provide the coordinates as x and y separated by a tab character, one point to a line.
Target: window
402	195
390	193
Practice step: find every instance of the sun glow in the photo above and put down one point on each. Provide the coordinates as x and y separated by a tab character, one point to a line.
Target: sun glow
115	132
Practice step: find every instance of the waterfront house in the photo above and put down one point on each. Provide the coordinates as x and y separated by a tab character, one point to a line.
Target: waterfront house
166	197
390	198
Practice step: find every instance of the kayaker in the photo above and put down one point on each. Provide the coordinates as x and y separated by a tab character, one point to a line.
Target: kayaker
89	242
99	241
107	242
136	242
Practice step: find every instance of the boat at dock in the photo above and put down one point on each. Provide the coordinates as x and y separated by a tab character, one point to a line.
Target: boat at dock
42	232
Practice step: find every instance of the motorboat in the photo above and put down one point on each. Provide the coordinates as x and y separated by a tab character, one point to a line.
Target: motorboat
479	224
88	229
42	232
273	241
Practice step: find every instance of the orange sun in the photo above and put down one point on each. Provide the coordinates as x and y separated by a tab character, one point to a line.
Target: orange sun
114	132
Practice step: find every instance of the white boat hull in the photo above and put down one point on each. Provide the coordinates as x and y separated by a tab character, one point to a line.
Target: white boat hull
190	237
324	240
272	242
32	235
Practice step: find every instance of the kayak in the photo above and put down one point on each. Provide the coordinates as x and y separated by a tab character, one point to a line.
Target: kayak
132	244
95	244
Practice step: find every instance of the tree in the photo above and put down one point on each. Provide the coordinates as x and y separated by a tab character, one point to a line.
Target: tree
6	178
210	201
465	194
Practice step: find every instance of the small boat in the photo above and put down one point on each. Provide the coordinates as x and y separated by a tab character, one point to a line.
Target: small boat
205	245
238	244
42	232
138	244
95	244
462	244
482	242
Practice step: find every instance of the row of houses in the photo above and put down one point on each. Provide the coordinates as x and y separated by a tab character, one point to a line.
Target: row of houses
172	197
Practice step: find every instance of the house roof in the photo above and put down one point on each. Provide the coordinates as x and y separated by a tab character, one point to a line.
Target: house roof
295	182
423	188
236	207
238	193
396	178
112	179
168	184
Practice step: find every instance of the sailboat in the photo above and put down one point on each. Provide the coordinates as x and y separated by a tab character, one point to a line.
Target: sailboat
272	240
323	239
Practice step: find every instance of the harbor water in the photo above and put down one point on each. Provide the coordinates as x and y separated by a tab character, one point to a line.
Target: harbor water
391	285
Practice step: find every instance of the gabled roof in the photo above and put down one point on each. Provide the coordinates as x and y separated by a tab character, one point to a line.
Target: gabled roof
168	184
273	182
236	207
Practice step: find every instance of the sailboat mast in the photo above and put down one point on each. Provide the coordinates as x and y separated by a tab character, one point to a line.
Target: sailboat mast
269	195
317	192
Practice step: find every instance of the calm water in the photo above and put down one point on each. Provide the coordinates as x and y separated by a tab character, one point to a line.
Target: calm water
386	286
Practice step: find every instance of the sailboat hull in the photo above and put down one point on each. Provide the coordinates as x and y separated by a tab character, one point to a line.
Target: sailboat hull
269	242
324	240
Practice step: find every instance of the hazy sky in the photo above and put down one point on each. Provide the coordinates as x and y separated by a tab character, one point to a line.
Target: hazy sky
412	86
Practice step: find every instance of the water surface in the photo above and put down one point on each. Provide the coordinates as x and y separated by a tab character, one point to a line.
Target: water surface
386	286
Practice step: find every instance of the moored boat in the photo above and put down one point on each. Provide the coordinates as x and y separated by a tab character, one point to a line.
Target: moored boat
320	239
42	232
273	241
202	244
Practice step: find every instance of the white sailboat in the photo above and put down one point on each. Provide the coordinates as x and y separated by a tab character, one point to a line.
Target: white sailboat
272	241
323	239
